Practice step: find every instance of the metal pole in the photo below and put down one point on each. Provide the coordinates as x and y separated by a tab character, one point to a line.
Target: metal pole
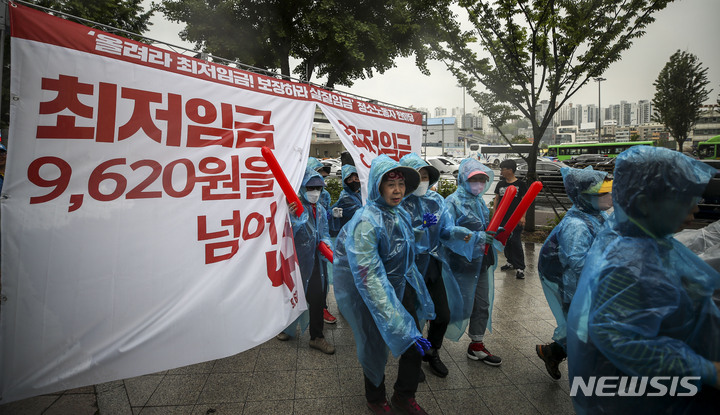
442	153
599	79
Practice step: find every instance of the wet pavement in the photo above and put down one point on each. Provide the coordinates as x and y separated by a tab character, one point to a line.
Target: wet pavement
290	378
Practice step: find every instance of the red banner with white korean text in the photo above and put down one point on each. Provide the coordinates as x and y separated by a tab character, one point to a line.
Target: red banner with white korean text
142	230
369	130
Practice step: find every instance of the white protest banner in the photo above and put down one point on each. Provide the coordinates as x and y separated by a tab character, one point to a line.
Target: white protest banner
141	228
368	130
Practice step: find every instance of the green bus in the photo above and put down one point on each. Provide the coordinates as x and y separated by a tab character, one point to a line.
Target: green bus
567	151
708	150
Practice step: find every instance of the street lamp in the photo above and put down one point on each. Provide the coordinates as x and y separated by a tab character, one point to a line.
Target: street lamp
599	79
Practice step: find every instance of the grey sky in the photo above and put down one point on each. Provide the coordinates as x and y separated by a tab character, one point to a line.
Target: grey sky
691	25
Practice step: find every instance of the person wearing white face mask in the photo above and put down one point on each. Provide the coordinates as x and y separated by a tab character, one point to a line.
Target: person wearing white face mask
467	262
425	208
309	230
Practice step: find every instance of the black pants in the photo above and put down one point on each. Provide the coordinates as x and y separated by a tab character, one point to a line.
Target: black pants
514	249
408	366
436	287
315	297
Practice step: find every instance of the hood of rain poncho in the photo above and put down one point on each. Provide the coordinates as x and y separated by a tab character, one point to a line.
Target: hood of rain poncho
578	181
643	306
348	201
325	198
384	165
562	256
468	166
373	263
662	172
416	162
464	260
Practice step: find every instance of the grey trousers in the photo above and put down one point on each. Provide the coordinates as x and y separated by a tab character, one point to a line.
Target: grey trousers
481	307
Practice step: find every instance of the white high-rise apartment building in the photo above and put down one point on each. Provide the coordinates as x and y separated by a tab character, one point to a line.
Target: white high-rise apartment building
644	112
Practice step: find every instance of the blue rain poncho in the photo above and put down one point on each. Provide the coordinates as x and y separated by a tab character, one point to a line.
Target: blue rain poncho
428	240
373	262
348	201
643	305
563	254
325	198
463	261
308	232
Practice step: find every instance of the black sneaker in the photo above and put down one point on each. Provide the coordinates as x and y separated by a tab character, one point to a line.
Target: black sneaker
520	274
380	407
552	363
477	351
507	267
437	367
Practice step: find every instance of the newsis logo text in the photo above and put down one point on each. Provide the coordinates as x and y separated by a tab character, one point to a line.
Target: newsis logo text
635	386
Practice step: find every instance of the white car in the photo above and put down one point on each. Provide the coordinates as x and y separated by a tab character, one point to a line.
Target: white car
445	165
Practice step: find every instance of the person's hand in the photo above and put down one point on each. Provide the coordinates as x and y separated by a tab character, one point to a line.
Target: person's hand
337	212
522	221
422	345
489	236
429	220
292	207
467	238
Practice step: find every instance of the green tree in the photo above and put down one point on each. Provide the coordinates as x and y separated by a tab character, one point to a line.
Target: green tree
520	53
128	15
679	94
634	137
343	40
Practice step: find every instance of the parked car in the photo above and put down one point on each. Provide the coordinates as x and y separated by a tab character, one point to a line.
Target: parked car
583	160
445	165
335	167
542	168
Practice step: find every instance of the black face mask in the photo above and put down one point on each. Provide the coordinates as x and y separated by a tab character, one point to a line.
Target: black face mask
354	186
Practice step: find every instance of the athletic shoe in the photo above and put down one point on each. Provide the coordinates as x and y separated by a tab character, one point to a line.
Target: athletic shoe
406	406
321	344
520	274
380	407
437	367
282	336
477	351
507	267
328	318
552	363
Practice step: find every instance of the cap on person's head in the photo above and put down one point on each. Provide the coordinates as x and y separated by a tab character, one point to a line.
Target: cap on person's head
408	174
315	181
508	164
604	186
325	169
476	172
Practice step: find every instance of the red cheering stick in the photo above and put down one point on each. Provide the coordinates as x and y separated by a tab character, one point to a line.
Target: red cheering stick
282	179
520	211
502	208
325	251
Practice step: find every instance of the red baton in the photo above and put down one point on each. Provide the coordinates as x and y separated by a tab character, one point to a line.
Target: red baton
502	208
325	251
520	211
282	179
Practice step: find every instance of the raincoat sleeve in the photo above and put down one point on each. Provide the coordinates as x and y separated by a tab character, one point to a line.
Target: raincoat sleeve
573	245
323	232
394	323
625	316
452	235
325	199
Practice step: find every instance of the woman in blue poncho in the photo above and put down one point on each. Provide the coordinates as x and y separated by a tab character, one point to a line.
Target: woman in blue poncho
563	254
643	306
348	202
379	289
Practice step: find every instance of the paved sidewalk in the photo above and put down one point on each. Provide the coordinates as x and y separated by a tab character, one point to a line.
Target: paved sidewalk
290	378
